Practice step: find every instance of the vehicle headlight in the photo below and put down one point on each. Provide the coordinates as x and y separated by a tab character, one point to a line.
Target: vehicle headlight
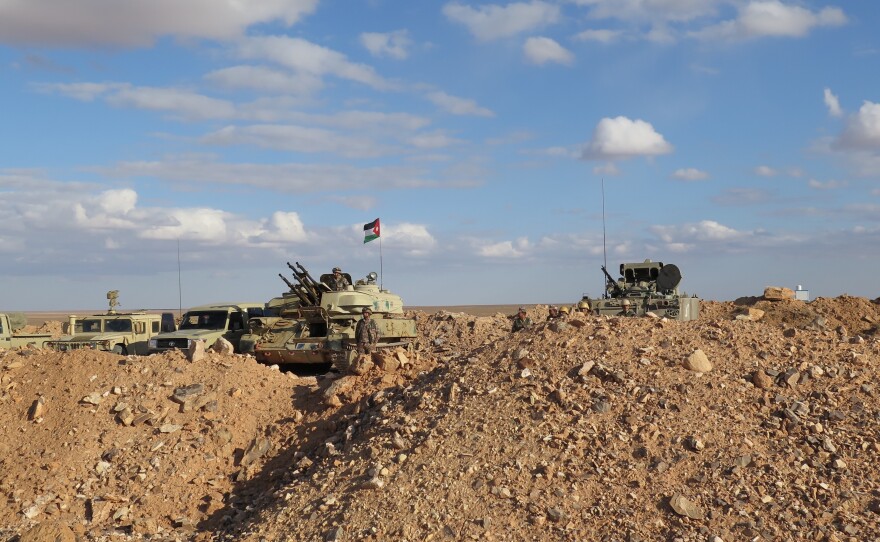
152	343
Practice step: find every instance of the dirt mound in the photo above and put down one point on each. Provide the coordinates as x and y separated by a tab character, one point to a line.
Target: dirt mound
558	432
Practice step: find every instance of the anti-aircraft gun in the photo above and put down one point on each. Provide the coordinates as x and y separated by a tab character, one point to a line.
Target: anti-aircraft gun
645	287
314	324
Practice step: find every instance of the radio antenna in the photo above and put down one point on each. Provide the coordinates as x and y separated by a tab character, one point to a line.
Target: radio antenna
179	290
604	253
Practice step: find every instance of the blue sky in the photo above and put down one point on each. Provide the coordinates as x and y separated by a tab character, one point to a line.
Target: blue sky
739	140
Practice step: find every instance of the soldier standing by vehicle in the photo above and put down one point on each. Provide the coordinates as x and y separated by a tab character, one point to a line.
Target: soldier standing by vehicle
366	333
521	321
338	282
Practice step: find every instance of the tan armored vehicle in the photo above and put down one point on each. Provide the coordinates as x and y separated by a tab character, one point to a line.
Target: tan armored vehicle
642	288
208	323
9	338
316	325
120	333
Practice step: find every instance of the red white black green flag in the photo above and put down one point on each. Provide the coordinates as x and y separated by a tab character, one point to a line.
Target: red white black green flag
371	231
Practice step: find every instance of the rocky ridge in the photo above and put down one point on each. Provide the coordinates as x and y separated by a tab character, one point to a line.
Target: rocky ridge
589	429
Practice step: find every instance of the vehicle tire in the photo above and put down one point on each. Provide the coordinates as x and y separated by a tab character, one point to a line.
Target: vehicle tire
119	350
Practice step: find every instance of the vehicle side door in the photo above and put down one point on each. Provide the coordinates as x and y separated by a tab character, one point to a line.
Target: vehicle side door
5	332
235	328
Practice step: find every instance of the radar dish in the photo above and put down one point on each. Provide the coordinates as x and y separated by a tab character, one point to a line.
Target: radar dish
669	277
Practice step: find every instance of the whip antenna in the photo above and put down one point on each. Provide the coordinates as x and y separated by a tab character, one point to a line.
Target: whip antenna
179	289
604	253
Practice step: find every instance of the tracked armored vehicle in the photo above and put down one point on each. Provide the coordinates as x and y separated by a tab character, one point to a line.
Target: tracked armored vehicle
316	325
642	288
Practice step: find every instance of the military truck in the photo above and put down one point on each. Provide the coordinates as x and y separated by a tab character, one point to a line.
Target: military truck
314	324
122	333
642	288
10	323
208	323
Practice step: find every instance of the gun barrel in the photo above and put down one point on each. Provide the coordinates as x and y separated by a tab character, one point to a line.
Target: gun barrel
611	281
287	282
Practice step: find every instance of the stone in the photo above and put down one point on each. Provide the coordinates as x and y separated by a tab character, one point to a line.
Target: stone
755	314
196	351
125	417
48	531
38	408
525	363
93	398
401	357
170	428
256	450
778	293
182	394
223	346
698	362
387	363
683	507
555	514
361	365
761	380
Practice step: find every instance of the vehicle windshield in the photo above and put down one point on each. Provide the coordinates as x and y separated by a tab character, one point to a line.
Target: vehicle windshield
88	326
204	320
118	326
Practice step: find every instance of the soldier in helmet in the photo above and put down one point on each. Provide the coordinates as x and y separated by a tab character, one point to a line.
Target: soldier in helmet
521	321
626	307
366	333
583	306
552	313
564	311
338	281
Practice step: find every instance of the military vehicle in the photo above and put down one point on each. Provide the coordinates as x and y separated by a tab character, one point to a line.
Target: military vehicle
645	287
9	338
120	333
208	323
316	325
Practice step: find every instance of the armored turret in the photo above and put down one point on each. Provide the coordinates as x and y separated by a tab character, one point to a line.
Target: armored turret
645	287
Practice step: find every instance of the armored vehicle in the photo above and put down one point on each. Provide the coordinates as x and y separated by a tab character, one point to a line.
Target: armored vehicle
208	323
120	333
11	338
645	287
315	324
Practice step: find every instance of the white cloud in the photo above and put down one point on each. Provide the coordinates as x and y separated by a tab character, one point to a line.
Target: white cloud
85	92
289	137
493	21
435	140
392	44
862	129
621	138
772	18
179	102
359	202
458	106
411	239
766	171
286	227
693	236
88	23
609	168
827	185
264	79
650	10
541	50
304	57
118	201
506	249
832	103
690	174
600	35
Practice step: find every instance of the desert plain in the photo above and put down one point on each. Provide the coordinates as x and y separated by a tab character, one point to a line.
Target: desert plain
758	421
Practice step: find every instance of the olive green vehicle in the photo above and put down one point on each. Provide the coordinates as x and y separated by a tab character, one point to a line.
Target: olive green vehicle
120	333
208	323
315	325
642	288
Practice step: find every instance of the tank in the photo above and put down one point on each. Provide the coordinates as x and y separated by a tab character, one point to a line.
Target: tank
312	324
642	288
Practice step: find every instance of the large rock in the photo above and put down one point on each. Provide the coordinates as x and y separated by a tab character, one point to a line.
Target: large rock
698	362
196	351
778	293
49	532
222	346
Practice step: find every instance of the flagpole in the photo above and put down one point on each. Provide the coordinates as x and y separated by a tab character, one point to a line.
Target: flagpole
380	263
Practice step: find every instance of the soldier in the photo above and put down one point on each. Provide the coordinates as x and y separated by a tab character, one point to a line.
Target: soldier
521	321
583	306
338	282
627	308
564	312
366	333
553	313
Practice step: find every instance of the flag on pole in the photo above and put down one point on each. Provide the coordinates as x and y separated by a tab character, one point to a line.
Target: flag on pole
371	231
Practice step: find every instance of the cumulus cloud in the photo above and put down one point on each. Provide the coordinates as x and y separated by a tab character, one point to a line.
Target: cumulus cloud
506	249
411	239
766	171
599	35
833	104
391	44
691	236
305	57
621	138
541	50
650	10
493	21
88	23
690	174
772	18
265	79
458	106
862	129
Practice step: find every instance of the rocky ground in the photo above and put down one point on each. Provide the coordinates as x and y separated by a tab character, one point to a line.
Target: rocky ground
594	429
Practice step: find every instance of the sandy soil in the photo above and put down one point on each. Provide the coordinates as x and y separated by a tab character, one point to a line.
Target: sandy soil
593	429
